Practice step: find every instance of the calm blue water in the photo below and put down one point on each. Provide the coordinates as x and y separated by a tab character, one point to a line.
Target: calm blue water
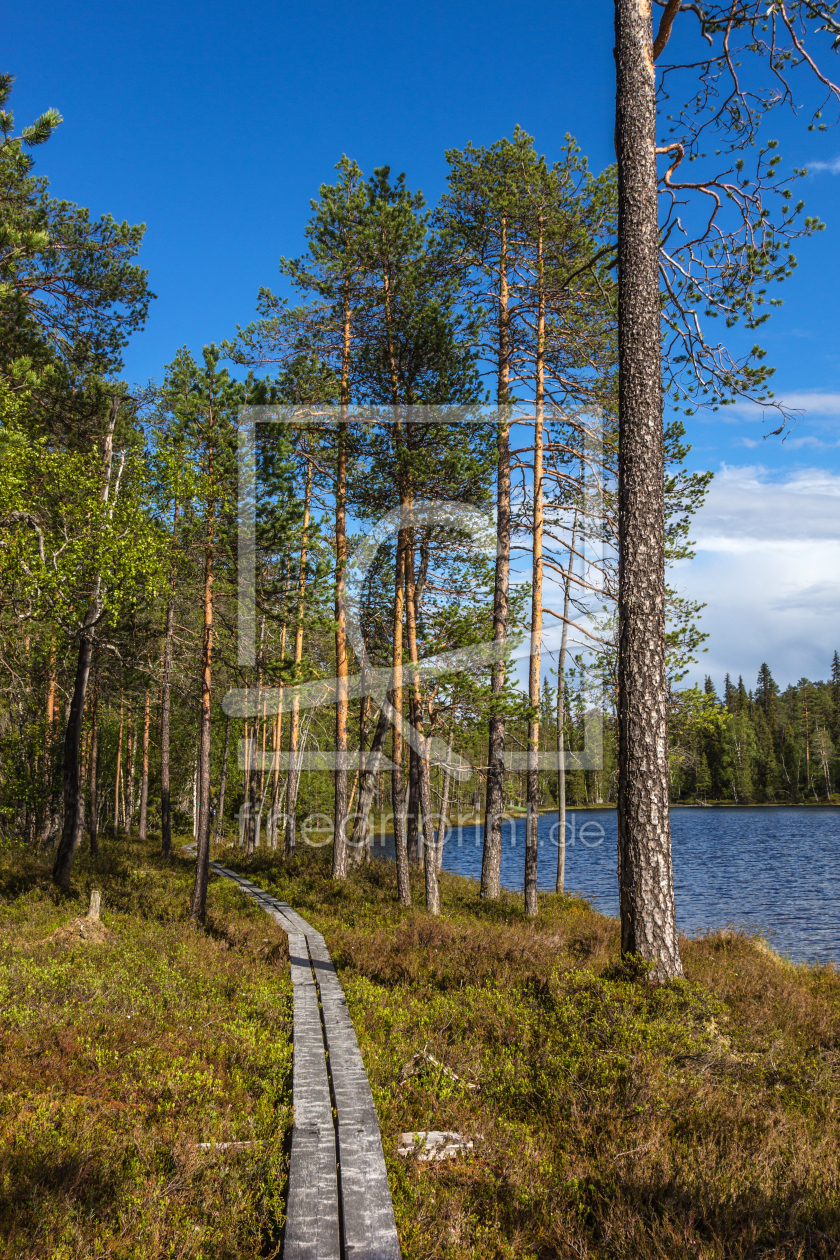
772	869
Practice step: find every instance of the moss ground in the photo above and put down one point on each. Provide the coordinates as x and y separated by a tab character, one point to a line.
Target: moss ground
609	1118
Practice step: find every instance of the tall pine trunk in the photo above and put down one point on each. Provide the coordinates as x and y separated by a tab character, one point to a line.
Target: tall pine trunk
252	778
94	775
532	822
51	795
132	755
646	893
342	704
491	859
251	802
277	740
261	791
560	885
367	785
397	793
293	782
144	772
412	818
424	789
73	796
165	710
202	865
444	800
118	776
358	848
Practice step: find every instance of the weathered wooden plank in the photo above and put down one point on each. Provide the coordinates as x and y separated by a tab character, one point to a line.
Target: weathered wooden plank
312	1218
312	1231
299	962
368	1214
353	1136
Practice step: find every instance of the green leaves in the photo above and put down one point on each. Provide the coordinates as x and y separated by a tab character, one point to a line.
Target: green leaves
58	536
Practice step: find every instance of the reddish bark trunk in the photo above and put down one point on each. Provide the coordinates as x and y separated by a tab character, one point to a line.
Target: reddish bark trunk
648	920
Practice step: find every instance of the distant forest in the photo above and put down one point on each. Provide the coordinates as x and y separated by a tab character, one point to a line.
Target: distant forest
759	745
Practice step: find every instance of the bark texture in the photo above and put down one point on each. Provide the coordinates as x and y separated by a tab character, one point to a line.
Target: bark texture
144	777
491	859
400	846
202	864
648	920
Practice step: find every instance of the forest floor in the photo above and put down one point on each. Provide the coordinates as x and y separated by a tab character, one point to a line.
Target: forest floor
609	1118
129	1052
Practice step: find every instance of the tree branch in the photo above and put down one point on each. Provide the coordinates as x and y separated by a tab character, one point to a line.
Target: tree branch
672	8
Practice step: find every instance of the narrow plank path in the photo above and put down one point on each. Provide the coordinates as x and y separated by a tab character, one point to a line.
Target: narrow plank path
339	1204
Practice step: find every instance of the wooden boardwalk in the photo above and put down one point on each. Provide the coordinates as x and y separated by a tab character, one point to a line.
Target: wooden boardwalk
339	1203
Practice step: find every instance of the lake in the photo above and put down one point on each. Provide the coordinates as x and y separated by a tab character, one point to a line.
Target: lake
771	869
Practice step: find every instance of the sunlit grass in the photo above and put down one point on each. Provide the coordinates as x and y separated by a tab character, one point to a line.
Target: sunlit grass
611	1118
120	1059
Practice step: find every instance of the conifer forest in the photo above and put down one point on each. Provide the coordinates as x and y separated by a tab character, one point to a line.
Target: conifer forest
465	352
403	553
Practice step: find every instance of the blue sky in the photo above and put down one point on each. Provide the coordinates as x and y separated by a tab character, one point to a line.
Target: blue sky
216	124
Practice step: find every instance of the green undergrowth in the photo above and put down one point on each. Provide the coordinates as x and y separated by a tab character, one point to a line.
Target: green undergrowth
123	1055
610	1117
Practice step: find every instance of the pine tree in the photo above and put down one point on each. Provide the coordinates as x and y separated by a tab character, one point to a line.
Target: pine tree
835	696
203	402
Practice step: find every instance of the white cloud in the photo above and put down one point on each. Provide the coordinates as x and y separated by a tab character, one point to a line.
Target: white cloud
768	569
816	403
814	443
811	404
833	167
